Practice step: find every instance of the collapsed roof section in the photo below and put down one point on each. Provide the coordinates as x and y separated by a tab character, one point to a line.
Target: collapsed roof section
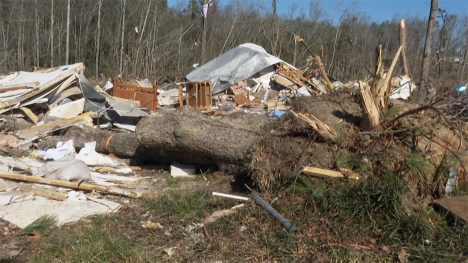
237	64
51	88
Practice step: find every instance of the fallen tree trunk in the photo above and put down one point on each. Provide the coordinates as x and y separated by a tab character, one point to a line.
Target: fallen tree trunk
123	145
188	137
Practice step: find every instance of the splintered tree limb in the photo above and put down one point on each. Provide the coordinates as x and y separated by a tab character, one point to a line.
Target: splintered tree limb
326	132
371	116
402	37
378	68
324	74
381	90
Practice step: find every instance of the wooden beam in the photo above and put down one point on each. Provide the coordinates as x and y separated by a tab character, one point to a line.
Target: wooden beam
323	173
77	185
55	125
30	114
44	192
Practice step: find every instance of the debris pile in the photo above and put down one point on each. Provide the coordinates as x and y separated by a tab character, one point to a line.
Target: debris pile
47	176
246	113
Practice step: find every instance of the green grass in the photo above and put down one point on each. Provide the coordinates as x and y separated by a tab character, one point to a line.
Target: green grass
417	165
177	181
105	240
391	113
373	213
177	203
342	159
41	225
339	139
378	209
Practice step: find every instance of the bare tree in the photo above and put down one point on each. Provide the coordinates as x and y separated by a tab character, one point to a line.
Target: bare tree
124	5
38	43
51	33
67	52
402	36
98	38
205	25
427	51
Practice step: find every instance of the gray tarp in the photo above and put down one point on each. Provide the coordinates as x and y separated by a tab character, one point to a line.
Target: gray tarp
237	64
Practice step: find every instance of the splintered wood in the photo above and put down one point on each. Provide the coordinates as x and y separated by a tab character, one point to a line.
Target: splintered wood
326	132
325	173
371	116
294	80
375	98
381	85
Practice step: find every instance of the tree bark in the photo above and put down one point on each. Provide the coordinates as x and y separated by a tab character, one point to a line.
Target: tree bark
427	51
124	5
36	12
123	145
98	40
51	33
402	34
67	48
189	137
205	24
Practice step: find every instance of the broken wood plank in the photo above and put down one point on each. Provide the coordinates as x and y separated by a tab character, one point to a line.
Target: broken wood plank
241	100
55	125
77	185
283	81
44	192
30	114
15	87
456	206
326	132
323	173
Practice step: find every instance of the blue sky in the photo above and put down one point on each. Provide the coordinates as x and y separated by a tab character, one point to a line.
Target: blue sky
378	10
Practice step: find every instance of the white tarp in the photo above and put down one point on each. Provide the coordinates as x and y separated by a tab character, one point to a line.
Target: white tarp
404	87
237	64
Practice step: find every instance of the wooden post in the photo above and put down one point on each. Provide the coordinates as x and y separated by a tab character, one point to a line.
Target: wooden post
154	106
402	35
